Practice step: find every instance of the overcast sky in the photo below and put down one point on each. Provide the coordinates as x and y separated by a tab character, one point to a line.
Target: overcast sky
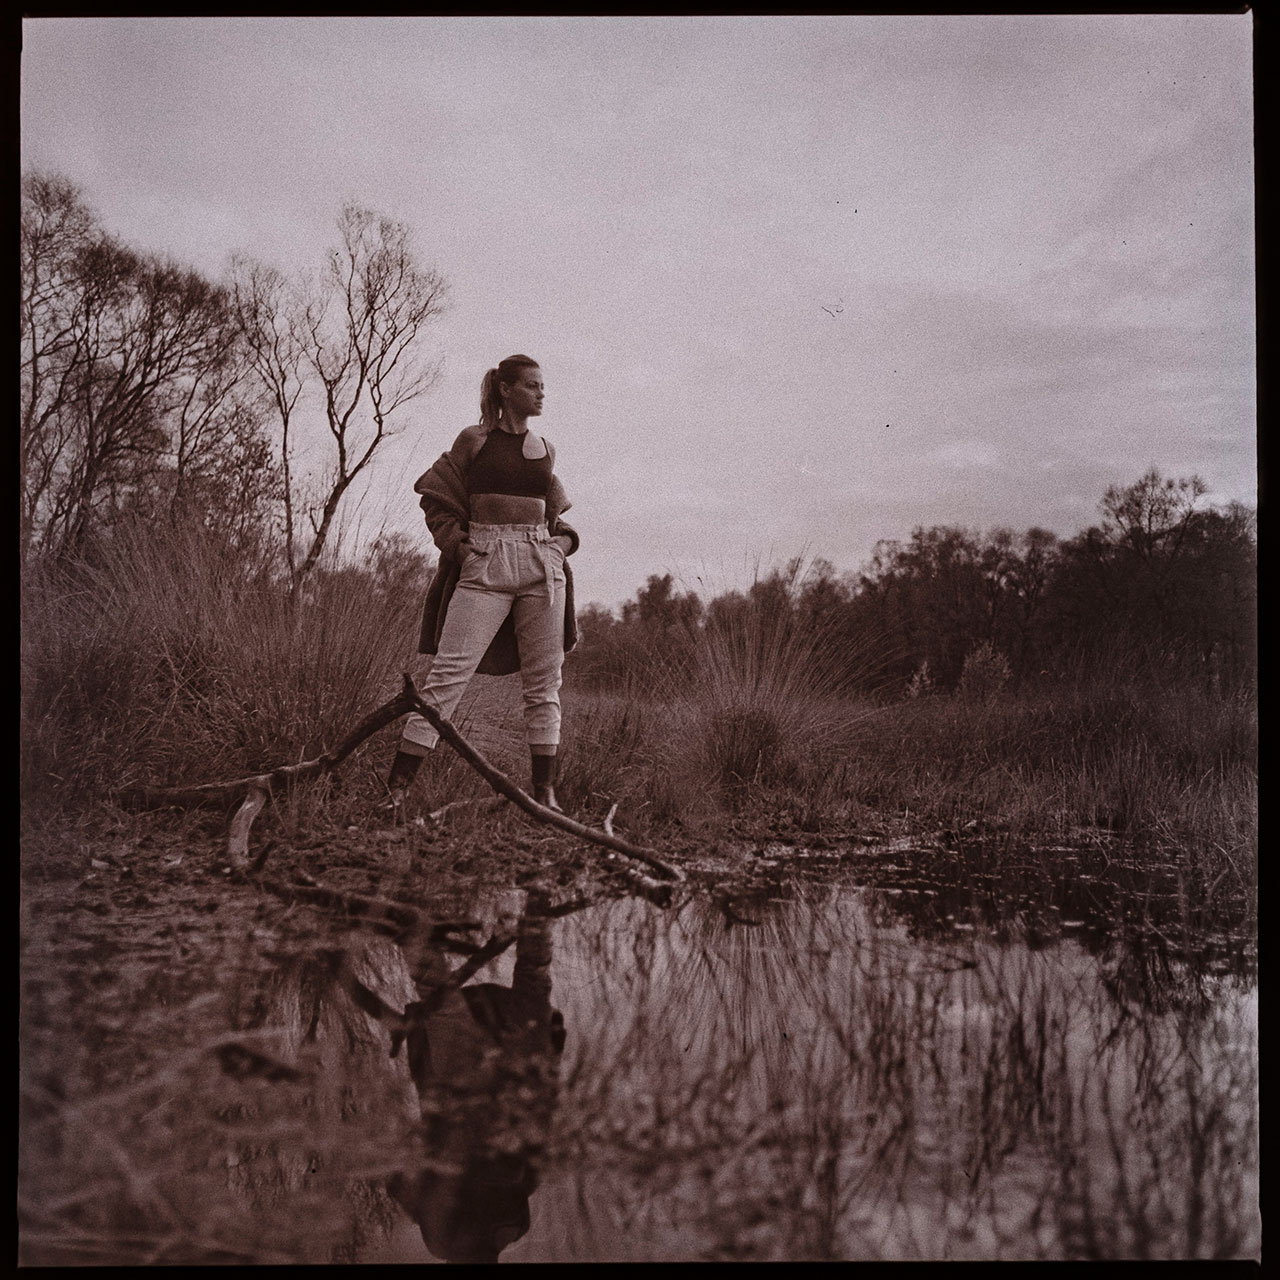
796	284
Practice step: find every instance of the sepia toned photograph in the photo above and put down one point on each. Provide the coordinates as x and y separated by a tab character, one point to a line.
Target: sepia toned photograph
638	639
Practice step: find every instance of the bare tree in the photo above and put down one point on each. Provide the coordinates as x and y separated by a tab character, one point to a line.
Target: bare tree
355	340
270	320
56	228
1151	517
129	376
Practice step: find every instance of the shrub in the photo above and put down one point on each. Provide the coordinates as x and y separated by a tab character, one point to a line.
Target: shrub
168	660
985	674
921	683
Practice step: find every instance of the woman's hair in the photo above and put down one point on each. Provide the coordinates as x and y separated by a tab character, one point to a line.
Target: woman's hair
508	371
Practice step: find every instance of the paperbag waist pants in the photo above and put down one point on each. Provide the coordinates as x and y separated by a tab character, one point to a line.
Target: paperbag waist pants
516	569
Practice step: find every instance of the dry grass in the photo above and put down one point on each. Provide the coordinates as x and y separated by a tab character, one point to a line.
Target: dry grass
1178	767
164	663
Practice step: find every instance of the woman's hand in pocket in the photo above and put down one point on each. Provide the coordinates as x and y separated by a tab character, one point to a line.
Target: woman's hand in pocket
473	559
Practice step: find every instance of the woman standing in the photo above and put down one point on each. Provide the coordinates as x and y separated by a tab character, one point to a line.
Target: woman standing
502	596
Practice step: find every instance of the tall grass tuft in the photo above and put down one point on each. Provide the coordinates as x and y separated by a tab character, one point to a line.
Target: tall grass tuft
165	660
765	700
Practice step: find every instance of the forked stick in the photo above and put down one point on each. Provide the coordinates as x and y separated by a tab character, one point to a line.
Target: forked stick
254	791
504	786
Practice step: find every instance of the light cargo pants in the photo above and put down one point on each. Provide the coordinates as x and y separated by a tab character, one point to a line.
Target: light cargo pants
516	569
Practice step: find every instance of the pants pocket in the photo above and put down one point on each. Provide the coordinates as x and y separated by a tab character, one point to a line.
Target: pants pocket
558	559
475	566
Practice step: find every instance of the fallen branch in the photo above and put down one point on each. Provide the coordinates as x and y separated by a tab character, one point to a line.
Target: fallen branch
238	836
351	904
397	914
436	814
254	791
224	793
504	786
655	890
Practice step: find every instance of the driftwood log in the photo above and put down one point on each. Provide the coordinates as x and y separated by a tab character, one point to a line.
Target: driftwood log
254	791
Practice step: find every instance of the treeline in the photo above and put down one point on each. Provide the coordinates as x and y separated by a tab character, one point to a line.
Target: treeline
244	407
1162	585
241	410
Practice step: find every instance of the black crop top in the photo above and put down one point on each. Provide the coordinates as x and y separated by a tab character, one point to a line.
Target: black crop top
501	467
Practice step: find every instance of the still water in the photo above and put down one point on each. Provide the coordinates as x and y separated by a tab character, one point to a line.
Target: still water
849	1072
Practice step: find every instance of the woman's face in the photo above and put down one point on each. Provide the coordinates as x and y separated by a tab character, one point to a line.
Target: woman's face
523	397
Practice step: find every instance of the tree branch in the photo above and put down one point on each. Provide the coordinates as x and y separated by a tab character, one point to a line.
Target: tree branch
254	791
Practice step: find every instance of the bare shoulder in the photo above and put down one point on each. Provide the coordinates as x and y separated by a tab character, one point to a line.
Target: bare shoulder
536	446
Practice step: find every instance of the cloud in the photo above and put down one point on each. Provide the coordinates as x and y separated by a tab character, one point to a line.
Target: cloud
965	455
1038	233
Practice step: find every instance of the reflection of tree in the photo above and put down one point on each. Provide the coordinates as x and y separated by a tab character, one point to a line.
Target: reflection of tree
313	1031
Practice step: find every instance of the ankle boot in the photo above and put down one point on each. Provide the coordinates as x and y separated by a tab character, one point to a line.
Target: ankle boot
404	768
545	769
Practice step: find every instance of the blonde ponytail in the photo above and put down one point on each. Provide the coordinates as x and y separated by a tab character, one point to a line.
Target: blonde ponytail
507	371
490	401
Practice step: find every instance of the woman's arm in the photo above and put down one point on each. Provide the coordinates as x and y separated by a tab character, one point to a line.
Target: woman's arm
565	537
443	494
562	533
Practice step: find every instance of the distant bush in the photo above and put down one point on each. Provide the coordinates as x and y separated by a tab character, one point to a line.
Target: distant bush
985	674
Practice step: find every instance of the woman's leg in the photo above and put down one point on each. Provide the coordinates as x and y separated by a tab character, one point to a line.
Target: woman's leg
474	616
539	624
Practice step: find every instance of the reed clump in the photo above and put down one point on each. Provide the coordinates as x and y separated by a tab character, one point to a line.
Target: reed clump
163	660
764	706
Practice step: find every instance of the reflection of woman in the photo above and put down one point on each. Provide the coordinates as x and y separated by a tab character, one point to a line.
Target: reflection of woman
484	1062
502	596
395	1041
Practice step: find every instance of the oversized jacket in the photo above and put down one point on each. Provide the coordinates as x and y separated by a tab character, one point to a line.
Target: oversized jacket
443	498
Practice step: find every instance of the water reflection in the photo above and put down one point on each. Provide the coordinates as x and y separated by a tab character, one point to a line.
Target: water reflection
401	1053
801	1073
484	1061
1038	896
830	1072
828	1084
